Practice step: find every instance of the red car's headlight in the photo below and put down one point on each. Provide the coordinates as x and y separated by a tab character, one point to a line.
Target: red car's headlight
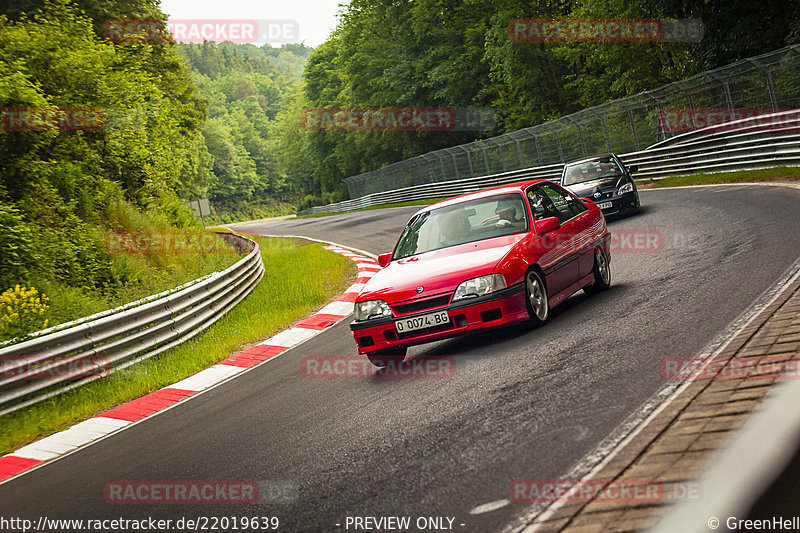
472	288
372	309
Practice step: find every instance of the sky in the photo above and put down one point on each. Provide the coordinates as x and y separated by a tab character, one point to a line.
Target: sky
314	19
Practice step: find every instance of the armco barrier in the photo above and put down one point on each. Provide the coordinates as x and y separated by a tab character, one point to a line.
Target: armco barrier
755	85
62	358
737	145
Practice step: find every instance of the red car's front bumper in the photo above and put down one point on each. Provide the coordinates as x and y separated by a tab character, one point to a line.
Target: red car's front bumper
505	307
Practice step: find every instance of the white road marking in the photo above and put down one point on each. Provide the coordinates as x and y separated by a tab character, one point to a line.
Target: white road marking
355	287
337	308
348	248
291	337
207	378
32	452
489	507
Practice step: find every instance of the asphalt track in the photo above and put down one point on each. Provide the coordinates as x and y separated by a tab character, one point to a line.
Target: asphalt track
521	403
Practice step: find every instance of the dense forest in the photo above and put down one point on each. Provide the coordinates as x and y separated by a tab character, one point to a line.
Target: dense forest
174	127
455	53
244	88
223	121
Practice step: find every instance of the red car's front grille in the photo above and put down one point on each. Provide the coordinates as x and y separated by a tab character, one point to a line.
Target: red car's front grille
421	305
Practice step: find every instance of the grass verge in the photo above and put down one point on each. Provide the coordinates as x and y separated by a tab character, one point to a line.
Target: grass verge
705	178
299	277
383	206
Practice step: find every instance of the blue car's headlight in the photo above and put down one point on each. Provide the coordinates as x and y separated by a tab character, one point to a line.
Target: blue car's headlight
628	187
372	309
472	288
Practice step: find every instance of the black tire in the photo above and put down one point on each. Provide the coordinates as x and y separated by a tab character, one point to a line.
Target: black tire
382	358
602	273
536	299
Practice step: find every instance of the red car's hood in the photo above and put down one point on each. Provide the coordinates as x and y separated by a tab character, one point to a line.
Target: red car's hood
438	271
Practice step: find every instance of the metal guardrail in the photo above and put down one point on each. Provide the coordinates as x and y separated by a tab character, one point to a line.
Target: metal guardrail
737	145
767	82
59	359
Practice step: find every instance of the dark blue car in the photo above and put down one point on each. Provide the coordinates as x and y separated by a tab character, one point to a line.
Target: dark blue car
605	181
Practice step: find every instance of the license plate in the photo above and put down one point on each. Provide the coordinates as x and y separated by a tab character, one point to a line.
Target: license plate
605	205
431	320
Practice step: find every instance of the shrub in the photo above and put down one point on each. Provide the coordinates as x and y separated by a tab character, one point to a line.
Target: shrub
21	312
17	254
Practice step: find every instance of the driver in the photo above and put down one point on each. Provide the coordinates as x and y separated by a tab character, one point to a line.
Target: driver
507	213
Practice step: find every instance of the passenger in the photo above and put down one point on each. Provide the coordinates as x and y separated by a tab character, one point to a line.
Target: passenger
454	228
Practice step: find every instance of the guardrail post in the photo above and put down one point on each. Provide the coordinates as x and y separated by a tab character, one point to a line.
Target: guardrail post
407	169
469	159
605	127
441	164
499	149
558	141
535	138
431	173
580	133
688	94
485	159
633	125
726	87
765	69
519	152
660	112
455	162
538	148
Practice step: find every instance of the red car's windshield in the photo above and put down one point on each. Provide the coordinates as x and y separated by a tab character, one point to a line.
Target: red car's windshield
470	221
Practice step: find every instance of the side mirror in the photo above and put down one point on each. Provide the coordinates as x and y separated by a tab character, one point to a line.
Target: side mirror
383	259
546	225
586	201
633	168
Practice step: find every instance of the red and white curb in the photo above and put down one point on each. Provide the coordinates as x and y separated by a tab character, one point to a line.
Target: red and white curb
118	418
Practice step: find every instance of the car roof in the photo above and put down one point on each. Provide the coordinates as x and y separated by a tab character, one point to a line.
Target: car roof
518	187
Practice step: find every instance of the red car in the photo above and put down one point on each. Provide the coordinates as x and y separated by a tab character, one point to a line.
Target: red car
481	260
